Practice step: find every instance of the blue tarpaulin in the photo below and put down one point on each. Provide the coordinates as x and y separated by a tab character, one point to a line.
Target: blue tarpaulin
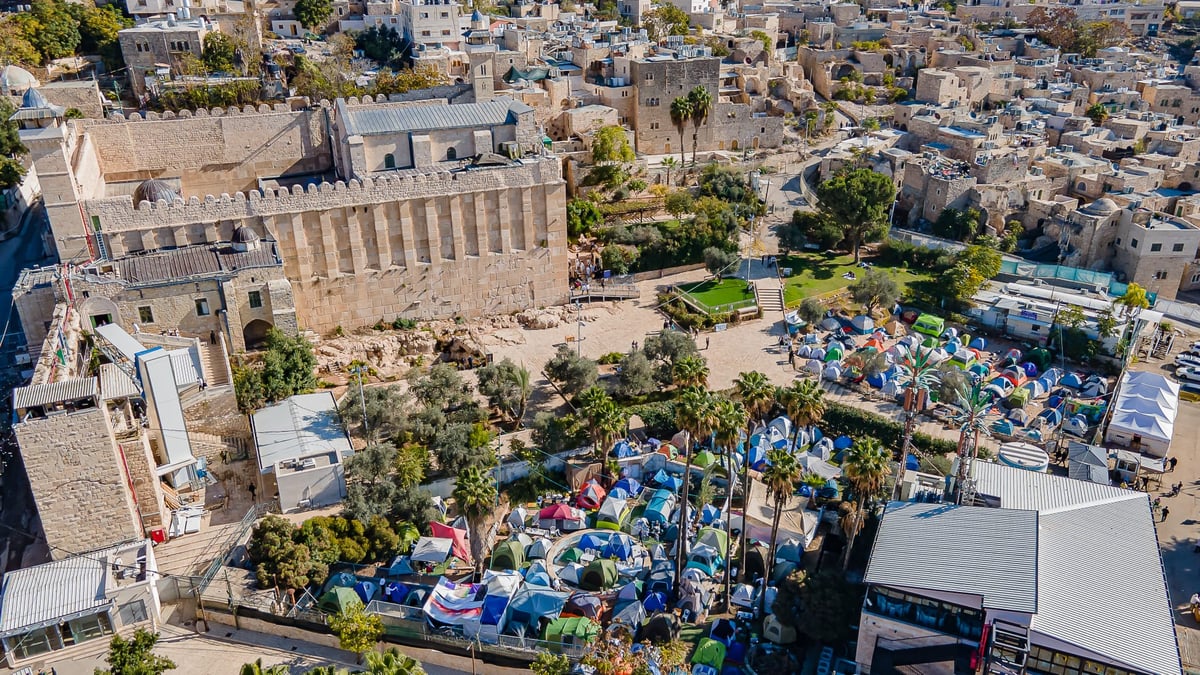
628	484
842	442
623	449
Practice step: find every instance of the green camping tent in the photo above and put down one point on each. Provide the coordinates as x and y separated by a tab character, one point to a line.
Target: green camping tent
711	536
704	459
576	630
509	555
570	555
599	575
337	599
710	653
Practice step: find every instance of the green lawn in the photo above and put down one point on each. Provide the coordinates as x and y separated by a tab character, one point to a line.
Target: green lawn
722	295
821	273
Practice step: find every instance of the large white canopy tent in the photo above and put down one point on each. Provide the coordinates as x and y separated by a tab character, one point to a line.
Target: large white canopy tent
1143	417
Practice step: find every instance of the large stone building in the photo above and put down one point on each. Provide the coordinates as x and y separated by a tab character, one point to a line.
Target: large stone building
160	44
373	210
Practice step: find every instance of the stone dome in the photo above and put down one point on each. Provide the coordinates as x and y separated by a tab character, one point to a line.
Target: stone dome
245	235
15	80
154	190
1101	207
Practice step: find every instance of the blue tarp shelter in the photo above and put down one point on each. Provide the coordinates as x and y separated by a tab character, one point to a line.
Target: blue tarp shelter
529	605
395	592
629	485
623	449
620	546
655	602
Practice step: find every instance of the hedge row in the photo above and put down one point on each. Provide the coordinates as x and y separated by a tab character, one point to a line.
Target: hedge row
847	420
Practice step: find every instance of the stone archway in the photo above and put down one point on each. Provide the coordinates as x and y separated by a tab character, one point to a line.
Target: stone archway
255	334
98	311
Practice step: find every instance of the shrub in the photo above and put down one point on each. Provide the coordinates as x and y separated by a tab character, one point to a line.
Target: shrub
610	359
659	418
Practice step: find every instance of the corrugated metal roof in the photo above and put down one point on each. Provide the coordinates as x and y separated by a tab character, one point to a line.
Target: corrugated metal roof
1103	587
54	392
1101	584
192	261
959	549
114	383
39	596
392	119
1041	492
301	426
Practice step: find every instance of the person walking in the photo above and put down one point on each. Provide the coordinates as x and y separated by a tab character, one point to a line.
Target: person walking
1165	511
212	337
706	343
1173	461
253	492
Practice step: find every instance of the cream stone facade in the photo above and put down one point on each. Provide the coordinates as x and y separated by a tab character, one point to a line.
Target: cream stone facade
78	475
374	209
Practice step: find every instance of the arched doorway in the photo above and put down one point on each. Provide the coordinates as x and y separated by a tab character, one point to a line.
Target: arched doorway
255	334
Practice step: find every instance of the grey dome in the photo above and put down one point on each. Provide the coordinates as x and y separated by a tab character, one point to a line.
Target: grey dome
16	79
1101	207
153	190
245	235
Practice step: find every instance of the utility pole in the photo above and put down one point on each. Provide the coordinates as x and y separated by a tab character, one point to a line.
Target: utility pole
359	370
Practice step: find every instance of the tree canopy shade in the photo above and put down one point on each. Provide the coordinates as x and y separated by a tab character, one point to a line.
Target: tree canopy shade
972	268
875	288
287	369
313	14
572	372
219	53
135	656
582	216
382	44
611	144
506	386
664	20
858	201
358	630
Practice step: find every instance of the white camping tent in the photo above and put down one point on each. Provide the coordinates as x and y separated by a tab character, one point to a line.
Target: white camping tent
432	549
1146	406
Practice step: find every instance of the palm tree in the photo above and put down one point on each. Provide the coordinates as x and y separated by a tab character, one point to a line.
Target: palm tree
257	668
805	403
690	371
702	104
605	419
970	414
681	112
730	417
866	466
919	374
475	494
780	478
757	393
668	164
392	662
694	413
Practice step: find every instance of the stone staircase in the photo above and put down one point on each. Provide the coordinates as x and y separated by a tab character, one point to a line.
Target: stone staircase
215	365
212	447
769	296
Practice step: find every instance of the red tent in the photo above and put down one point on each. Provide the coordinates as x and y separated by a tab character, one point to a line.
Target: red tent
556	512
591	496
459	549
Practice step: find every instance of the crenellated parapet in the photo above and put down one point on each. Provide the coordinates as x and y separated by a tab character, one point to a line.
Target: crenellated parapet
120	213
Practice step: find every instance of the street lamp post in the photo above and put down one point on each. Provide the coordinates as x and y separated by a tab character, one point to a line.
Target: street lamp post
359	370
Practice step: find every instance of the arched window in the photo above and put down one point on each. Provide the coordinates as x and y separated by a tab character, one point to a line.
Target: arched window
389	161
451	153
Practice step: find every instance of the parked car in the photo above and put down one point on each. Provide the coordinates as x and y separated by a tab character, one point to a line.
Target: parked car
1187	360
1188	373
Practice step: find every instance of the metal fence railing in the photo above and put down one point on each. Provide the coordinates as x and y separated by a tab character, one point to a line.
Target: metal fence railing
699	304
227	545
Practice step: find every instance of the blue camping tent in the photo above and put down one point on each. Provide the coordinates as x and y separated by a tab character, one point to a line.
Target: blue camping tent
529	605
877	380
395	592
709	513
1071	380
493	609
672	483
366	590
592	542
842	442
629	485
655	602
660	507
620	546
399	566
619	493
978	343
912	464
622	449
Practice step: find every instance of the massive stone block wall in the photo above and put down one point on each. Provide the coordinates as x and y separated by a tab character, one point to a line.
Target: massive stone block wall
78	481
213	151
420	245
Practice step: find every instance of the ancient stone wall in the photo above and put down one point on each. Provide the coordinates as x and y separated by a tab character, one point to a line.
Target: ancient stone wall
79	484
217	151
419	245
